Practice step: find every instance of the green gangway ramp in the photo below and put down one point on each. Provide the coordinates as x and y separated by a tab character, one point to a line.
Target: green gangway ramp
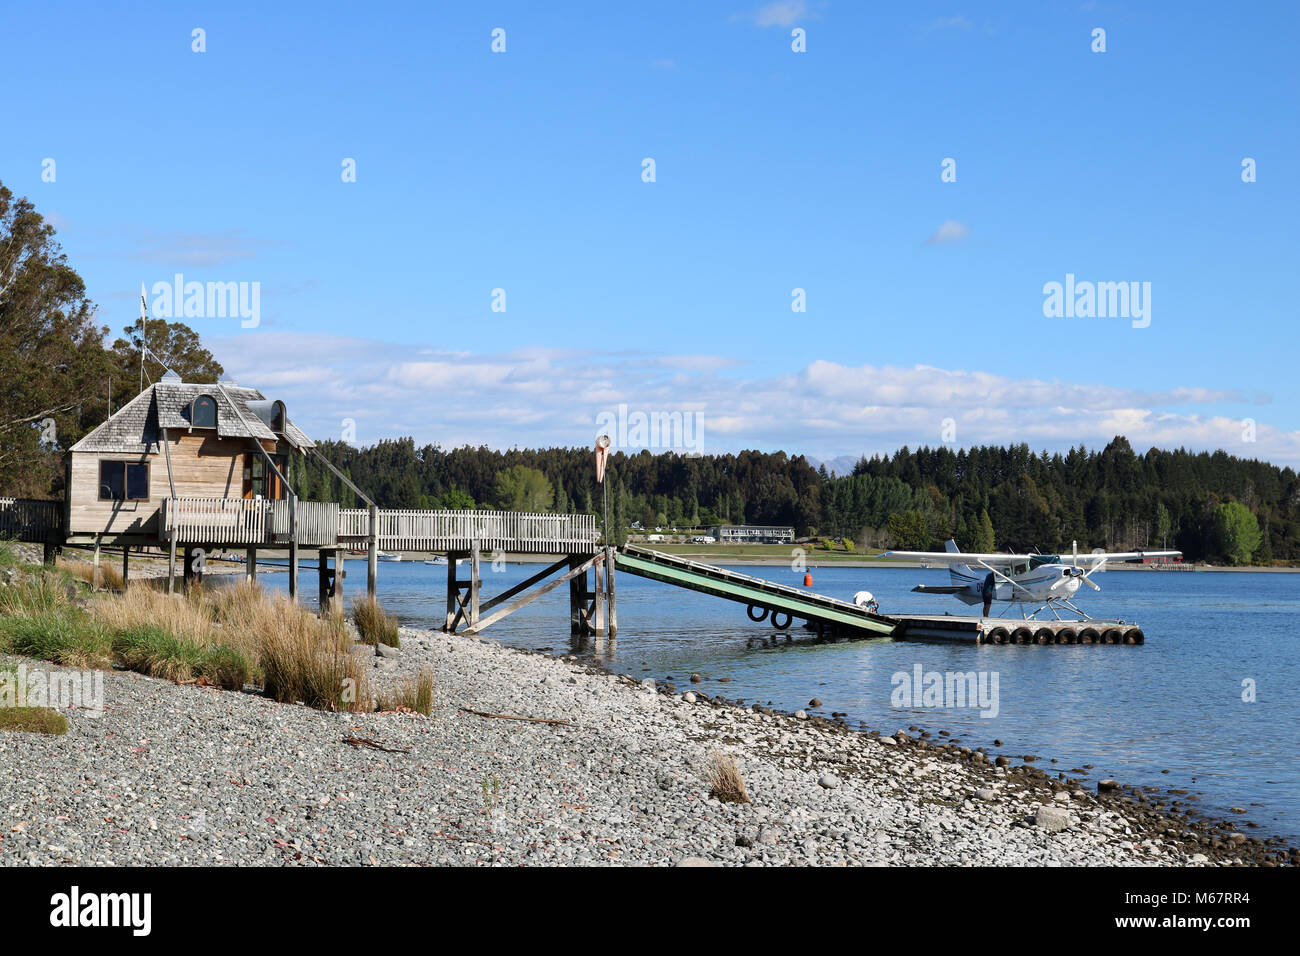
749	590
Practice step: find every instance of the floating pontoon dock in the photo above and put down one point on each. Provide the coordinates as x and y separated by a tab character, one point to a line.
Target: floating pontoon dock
1014	630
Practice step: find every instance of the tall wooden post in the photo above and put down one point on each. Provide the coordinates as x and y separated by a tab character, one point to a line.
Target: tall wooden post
598	571
609	593
577	600
452	591
94	574
171	560
475	583
323	580
372	552
340	572
250	565
293	548
126	565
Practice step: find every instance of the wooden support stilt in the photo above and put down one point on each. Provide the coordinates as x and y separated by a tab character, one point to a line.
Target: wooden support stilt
94	574
475	583
187	572
612	625
323	580
126	565
50	550
598	571
171	561
340	572
372	552
293	547
250	565
577	600
453	593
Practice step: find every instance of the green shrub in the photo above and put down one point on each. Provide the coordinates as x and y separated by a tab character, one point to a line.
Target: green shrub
68	637
226	667
159	653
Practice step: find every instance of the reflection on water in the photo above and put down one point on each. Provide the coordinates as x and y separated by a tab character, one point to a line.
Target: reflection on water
1132	712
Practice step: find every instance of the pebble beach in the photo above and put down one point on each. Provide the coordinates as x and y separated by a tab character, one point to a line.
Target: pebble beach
605	769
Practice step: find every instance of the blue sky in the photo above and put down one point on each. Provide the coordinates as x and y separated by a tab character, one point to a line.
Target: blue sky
775	170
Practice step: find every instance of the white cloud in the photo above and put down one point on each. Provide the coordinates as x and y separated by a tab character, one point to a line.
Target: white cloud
948	23
196	250
780	13
950	231
541	397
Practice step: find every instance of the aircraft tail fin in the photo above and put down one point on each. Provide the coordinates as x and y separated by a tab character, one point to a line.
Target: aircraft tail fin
951	546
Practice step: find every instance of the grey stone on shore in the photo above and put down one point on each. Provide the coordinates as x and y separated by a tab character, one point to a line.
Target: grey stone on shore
828	781
1053	819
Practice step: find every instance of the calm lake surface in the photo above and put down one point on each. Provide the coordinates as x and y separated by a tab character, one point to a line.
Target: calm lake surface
1172	704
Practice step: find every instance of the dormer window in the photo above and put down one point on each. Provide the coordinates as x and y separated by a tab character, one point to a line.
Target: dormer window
203	413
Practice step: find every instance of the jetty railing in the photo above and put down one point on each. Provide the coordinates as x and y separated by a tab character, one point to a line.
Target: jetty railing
248	521
259	522
443	530
27	519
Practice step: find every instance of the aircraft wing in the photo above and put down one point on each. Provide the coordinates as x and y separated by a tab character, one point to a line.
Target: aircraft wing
1096	556
958	557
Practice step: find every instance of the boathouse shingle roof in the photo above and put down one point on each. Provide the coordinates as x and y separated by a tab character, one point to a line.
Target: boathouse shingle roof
137	425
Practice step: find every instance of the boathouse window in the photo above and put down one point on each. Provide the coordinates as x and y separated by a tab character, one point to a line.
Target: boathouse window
123	481
203	414
260	481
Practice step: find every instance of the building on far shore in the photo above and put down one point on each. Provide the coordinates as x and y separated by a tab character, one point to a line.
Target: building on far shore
752	534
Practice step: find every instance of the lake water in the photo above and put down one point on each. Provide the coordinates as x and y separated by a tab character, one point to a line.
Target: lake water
1175	703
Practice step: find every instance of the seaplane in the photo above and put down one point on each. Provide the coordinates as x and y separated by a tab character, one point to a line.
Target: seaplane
1047	582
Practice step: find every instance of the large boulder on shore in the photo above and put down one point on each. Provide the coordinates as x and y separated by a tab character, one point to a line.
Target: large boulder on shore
1052	818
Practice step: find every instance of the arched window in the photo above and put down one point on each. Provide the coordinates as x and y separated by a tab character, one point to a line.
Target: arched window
203	414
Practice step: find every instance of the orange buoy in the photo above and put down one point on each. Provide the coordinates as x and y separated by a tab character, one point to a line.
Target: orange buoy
807	579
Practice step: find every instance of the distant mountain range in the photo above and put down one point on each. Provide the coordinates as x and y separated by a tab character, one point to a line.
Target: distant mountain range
839	465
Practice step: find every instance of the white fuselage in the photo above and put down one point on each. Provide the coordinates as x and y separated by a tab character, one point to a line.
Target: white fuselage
1035	585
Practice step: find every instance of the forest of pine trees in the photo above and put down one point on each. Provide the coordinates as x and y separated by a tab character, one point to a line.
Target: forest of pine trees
986	497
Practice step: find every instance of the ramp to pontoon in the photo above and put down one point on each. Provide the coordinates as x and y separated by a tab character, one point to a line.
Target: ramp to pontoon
754	592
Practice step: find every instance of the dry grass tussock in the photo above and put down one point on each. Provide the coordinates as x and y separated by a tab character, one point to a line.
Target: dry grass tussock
110	575
725	782
225	636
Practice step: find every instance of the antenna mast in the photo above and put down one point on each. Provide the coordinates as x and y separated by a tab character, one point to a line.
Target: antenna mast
142	313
